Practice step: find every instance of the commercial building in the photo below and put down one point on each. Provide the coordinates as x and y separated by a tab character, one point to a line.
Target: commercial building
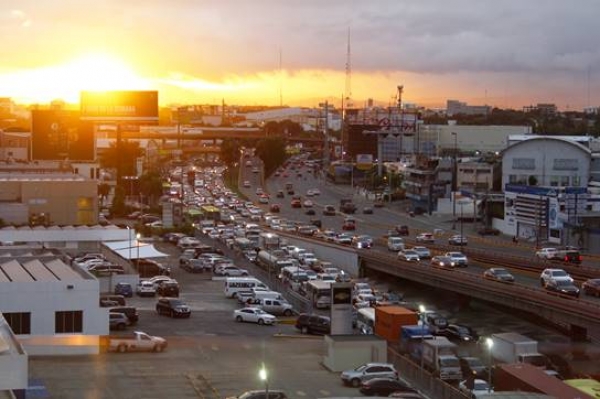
454	107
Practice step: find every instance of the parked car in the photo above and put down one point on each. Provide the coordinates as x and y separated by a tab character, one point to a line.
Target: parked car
261	394
313	324
457	240
107	300
546	253
172	307
459	259
117	321
499	274
169	288
365	372
124	289
129	311
591	287
254	315
367	210
383	387
409	255
488	231
563	287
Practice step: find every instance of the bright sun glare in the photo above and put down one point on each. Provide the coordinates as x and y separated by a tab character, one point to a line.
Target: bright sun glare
95	71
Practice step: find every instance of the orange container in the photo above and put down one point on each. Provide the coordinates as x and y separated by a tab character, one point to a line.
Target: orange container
390	319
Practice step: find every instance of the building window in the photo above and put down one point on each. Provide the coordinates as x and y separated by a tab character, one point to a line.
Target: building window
512	179
554	181
20	323
564	181
523	163
69	322
565	164
576	181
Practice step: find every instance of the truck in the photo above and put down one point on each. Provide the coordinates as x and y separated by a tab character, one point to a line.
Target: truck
411	338
347	206
528	378
516	348
137	342
390	319
439	356
273	261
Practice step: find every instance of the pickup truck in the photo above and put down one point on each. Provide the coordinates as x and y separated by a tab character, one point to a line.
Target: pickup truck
137	342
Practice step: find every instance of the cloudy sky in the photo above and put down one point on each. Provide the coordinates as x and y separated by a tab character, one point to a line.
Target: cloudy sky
506	53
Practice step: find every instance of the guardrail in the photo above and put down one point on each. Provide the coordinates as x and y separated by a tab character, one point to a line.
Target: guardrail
556	308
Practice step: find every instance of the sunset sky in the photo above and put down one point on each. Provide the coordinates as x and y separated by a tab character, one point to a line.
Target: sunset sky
506	53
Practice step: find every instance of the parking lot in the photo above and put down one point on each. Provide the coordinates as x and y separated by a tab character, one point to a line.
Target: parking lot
209	355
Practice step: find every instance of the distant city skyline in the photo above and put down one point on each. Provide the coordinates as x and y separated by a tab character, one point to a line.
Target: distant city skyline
507	54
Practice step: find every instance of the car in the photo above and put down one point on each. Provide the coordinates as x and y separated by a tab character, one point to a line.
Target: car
475	389
117	321
425	237
367	371
280	194
459	259
263	199
402	230
255	170
313	324
436	322
168	289
443	262
259	191
470	365
378	204
310	192
349	224
457	240
499	274
173	307
459	333
567	256
329	210
383	387
129	311
424	252
261	394
367	210
591	287
296	203
232	271
563	287
553	275
409	255
307	203
247	184
546	253
343	239
389	299
316	191
146	288
124	289
275	208
488	231
254	315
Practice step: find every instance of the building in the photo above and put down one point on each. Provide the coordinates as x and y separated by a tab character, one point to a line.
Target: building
44	302
427	180
454	107
51	196
14	146
476	175
545	180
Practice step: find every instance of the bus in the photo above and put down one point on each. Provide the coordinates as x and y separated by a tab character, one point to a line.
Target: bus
233	285
210	212
319	293
365	320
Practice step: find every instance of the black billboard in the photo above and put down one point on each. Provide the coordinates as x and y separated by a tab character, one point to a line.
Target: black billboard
119	105
58	135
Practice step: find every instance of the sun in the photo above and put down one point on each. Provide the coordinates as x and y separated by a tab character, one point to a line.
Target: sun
91	71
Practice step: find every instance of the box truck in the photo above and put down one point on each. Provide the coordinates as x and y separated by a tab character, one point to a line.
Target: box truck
516	348
390	319
439	356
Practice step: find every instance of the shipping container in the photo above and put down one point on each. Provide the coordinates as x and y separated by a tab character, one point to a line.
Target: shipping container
390	319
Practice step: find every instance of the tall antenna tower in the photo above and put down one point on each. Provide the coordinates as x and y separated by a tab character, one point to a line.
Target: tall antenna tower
348	89
280	81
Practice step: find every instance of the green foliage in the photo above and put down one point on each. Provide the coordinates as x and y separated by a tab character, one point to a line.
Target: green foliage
230	152
151	186
272	152
123	159
118	206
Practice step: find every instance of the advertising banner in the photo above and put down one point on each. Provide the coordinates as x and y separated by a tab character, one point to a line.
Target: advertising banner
59	135
364	161
115	106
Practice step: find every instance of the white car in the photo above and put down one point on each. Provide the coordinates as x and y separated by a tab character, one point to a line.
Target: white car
255	170
263	199
459	259
425	237
480	389
546	253
409	255
307	203
316	191
553	275
310	192
146	288
247	184
233	271
254	315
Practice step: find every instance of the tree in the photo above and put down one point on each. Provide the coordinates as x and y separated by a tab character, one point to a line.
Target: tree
151	186
272	152
124	159
118	205
230	152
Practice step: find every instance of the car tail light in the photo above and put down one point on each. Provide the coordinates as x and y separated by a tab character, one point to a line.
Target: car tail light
579	258
566	258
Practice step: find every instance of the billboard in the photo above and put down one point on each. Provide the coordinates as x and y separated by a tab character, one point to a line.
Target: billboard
115	106
341	308
58	135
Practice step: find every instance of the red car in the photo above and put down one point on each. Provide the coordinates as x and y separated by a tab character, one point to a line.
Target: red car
296	203
275	208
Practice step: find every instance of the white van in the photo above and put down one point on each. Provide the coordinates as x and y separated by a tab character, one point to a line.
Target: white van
233	285
395	244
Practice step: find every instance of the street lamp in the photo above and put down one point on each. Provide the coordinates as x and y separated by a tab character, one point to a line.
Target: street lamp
129	245
262	374
454	179
422	323
489	343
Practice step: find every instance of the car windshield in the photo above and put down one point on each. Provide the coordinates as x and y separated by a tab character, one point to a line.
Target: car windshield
559	273
449	362
480	386
474	362
563	283
502	272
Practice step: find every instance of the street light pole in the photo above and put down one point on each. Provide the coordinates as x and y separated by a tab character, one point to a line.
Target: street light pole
454	180
489	343
422	323
129	245
461	223
262	373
